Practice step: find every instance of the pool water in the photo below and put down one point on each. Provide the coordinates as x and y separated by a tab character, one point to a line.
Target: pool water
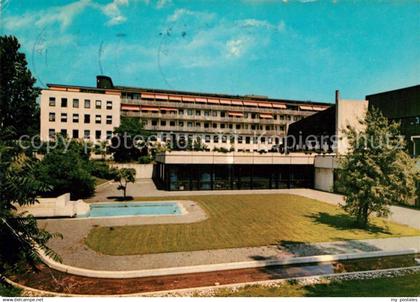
134	209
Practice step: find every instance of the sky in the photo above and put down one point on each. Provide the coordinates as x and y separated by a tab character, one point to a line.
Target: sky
303	49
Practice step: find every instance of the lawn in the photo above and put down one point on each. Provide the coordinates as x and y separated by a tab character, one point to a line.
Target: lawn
241	221
401	286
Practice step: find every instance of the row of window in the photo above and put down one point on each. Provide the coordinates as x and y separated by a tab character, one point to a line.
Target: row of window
220	138
86	118
214	113
165	123
75	133
87	105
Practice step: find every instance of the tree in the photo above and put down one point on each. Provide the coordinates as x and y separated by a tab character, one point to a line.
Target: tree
18	108
19	234
124	176
376	172
129	142
67	169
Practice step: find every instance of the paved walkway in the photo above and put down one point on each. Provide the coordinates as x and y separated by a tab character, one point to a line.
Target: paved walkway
74	252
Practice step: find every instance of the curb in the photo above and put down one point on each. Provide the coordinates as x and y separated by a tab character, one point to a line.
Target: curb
214	287
212	267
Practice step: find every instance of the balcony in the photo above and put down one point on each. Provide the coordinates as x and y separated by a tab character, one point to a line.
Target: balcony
202	118
180	105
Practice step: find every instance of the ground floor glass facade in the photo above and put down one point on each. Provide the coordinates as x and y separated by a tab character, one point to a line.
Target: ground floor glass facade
186	177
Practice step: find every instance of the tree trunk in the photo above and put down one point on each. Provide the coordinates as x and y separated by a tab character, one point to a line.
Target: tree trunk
365	215
125	192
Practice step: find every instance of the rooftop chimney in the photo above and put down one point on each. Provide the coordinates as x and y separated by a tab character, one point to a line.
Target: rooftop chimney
104	82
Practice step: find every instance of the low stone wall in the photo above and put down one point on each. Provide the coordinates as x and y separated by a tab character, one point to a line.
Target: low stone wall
60	206
142	170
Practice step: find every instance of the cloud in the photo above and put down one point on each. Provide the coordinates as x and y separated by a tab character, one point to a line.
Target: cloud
163	3
62	15
182	13
200	39
236	47
113	12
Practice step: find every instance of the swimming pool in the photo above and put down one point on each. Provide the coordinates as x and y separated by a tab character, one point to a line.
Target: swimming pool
134	209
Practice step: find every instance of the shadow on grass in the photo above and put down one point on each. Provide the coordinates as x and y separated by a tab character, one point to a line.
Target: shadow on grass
345	222
120	198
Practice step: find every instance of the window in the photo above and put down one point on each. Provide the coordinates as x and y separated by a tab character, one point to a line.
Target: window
98	119
206	125
214	113
98	104
253	115
64	102
247	140
51	133
109	119
154	122
87	134
108	134
262	140
109	105
190	112
238	126
52	101
189	124
198	125
64	117
207	138
163	123
98	134
181	124
87	119
222	126
172	123
198	112
75	133
216	138
245	114
206	113
230	126
63	132
75	103
270	140
87	103
232	139
52	117
224	139
240	140
214	125
181	111
222	114
75	117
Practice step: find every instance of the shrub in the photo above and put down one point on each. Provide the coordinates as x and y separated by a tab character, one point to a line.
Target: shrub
146	159
101	169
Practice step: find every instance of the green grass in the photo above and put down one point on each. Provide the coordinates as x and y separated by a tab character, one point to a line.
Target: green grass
242	221
402	286
7	290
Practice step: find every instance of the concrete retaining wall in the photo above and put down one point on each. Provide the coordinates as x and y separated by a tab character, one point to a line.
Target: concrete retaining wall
142	170
213	267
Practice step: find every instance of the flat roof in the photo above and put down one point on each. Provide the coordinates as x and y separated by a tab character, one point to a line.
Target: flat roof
394	90
130	89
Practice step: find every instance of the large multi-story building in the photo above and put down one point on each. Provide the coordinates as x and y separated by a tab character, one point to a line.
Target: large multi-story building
242	123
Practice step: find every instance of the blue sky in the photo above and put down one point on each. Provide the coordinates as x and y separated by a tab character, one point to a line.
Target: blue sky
286	49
